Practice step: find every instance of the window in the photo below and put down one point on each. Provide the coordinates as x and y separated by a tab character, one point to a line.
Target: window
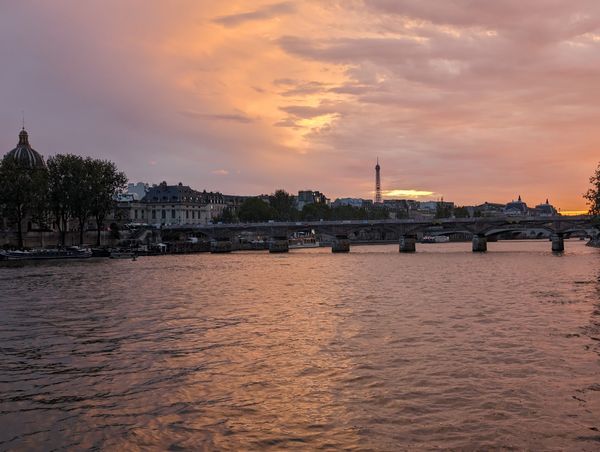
154	214
187	213
164	214
172	213
135	214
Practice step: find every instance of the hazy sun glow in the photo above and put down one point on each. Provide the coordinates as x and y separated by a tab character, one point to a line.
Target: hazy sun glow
413	194
574	212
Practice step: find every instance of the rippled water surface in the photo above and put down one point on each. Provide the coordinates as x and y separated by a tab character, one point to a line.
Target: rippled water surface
369	350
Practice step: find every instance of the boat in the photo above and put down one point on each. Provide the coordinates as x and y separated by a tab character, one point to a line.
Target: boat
72	252
303	242
435	239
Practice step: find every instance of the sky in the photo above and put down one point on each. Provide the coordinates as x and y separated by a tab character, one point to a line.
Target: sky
467	100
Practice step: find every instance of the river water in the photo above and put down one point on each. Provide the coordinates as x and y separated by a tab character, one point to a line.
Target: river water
374	349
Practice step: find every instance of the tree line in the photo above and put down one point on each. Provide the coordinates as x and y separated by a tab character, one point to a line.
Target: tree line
70	189
280	206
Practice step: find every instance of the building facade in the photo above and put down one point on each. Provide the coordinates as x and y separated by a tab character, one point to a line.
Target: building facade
516	208
165	204
354	202
306	197
544	210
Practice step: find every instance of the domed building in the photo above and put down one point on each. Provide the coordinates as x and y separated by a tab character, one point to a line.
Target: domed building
516	208
24	155
545	210
18	191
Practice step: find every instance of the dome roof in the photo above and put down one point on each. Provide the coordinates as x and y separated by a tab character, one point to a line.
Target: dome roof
24	154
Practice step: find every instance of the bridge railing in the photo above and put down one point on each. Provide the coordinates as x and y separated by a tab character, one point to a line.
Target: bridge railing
391	222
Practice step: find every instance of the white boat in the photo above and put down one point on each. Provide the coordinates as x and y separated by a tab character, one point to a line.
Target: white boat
303	242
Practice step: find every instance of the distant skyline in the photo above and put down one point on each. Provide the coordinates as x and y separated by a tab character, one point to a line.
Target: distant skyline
470	100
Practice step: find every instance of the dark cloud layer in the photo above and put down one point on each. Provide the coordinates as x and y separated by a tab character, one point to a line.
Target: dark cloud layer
266	12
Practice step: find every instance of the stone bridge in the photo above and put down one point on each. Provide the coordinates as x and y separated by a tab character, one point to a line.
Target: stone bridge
559	228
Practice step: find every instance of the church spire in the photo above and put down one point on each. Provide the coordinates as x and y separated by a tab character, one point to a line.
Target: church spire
23	138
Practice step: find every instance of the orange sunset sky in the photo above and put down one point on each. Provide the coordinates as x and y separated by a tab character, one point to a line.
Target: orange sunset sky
470	100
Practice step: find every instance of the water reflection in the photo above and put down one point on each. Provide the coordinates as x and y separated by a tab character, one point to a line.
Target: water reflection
588	394
374	349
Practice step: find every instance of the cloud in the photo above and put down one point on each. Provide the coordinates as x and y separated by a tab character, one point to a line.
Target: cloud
286	122
555	18
220	117
220	172
305	88
473	100
267	12
407	193
309	112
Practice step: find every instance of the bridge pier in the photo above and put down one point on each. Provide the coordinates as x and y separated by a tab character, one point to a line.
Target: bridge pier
558	242
340	244
279	245
408	243
220	246
479	244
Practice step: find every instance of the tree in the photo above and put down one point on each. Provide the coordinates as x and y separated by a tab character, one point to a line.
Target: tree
81	192
115	231
315	212
461	212
443	210
349	213
283	205
255	209
106	183
80	188
593	194
378	213
227	216
64	173
22	193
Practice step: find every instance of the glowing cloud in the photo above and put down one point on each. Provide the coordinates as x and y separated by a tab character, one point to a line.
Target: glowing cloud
574	212
400	193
